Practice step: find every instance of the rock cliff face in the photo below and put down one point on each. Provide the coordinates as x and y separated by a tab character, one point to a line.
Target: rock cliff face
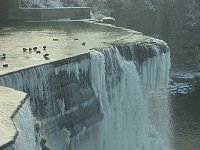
176	22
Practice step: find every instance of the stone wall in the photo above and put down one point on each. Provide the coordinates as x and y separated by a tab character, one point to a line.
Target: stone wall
10	10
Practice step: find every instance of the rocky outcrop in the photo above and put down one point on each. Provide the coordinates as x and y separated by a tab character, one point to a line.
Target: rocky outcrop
176	22
185	83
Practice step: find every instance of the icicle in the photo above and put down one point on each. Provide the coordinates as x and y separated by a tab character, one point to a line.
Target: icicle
122	93
155	72
24	122
125	124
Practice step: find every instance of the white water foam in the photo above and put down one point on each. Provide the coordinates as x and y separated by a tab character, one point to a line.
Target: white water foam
155	79
155	71
126	123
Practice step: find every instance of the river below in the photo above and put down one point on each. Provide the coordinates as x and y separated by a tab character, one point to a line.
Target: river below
186	122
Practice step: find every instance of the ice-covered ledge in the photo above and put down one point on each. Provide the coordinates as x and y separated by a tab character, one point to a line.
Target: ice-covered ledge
136	45
11	101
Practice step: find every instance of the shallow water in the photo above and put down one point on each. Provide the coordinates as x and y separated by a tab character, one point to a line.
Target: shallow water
15	36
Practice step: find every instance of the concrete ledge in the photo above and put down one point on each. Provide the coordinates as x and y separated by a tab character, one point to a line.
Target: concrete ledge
11	101
50	13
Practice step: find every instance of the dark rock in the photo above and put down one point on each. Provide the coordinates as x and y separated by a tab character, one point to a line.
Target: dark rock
37	127
43	144
184	83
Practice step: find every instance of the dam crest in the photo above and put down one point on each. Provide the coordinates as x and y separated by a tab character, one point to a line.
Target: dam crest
96	98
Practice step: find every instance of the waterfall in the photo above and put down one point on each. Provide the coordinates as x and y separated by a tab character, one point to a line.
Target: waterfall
155	79
155	71
126	124
124	92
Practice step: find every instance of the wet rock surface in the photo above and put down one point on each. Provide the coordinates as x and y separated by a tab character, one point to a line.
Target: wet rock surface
185	83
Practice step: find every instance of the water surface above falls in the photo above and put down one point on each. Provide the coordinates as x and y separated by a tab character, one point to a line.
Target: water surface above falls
62	40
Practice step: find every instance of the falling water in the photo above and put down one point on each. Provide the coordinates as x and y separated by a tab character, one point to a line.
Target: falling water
123	91
126	124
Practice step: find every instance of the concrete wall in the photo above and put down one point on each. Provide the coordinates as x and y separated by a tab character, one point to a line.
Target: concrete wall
9	9
49	14
52	13
56	87
11	102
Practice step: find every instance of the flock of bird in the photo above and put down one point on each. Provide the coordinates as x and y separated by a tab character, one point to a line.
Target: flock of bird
35	49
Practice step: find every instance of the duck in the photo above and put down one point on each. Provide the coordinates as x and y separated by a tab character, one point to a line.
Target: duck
46	56
75	39
5	65
3	56
24	49
34	48
38	52
55	39
83	43
44	47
